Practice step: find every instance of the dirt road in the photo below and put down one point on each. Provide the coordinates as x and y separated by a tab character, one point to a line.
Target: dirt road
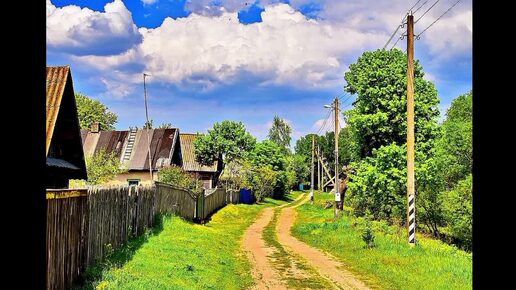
299	266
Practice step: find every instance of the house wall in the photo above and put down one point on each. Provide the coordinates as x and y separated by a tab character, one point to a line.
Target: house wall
205	177
121	179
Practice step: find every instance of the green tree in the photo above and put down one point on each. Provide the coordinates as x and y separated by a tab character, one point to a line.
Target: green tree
90	110
270	154
455	147
379	117
227	141
175	175
300	166
280	133
102	167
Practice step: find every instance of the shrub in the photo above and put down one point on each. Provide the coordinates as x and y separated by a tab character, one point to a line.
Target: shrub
174	175
458	211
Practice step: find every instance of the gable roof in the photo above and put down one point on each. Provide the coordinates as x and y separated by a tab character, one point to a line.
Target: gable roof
188	154
57	77
62	124
134	146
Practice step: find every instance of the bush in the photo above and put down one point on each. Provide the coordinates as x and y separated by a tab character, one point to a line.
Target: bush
174	175
368	236
102	167
458	211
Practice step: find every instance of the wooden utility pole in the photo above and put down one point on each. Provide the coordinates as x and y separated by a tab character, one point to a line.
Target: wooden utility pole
318	170
338	204
411	208
312	170
320	159
148	125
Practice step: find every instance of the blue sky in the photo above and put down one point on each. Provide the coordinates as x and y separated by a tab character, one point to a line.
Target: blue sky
212	60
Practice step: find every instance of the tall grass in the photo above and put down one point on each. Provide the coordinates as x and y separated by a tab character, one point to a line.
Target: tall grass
392	263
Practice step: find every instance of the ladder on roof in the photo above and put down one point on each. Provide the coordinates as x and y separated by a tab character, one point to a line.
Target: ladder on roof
130	144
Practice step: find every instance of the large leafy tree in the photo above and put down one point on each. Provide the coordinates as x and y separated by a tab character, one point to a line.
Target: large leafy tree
455	147
91	110
378	132
379	79
227	141
280	132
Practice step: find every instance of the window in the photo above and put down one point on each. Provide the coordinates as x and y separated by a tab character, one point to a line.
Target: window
133	181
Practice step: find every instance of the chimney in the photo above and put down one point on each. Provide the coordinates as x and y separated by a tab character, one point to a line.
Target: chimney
95	127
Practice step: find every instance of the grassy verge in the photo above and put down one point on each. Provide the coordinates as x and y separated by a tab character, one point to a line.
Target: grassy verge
392	264
185	255
287	263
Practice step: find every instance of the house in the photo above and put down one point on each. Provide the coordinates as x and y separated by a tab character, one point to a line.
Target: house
65	158
208	174
132	148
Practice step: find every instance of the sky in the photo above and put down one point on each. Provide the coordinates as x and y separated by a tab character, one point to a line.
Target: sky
212	60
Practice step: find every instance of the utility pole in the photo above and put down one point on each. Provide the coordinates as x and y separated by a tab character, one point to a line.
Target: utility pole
321	158
318	169
148	125
338	204
411	201
312	170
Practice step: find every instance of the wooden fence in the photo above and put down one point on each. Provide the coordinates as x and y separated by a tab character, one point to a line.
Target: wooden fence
82	222
172	199
233	196
66	242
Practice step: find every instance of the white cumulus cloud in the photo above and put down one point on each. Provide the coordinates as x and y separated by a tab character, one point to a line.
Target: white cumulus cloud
82	31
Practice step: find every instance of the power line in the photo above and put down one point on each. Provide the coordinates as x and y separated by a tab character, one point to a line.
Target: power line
324	123
420	7
399	38
402	23
417	36
426	11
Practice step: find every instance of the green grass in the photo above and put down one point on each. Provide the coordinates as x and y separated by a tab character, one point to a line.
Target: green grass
183	255
392	264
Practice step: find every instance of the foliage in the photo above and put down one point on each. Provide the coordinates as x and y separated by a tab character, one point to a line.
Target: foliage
148	124
102	167
175	175
90	110
268	153
393	264
165	126
368	237
262	180
455	147
378	78
271	155
227	141
458	210
280	133
300	166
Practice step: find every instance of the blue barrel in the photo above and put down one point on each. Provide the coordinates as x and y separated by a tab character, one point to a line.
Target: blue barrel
246	196
301	186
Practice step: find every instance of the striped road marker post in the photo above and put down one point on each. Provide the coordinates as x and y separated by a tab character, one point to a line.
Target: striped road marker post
412	219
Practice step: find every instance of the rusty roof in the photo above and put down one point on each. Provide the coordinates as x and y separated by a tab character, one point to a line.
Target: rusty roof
162	146
57	77
188	154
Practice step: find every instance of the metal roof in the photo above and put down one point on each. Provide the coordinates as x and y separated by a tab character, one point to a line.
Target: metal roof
56	162
188	155
162	146
56	82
